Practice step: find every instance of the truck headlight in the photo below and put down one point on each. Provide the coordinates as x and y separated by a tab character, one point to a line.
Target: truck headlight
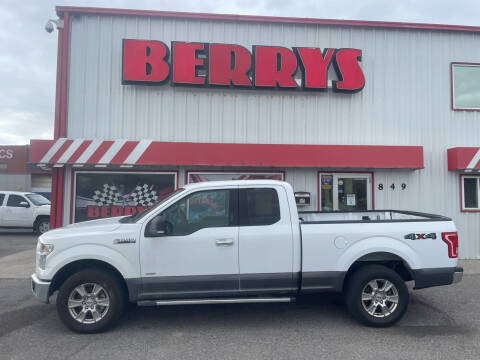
43	251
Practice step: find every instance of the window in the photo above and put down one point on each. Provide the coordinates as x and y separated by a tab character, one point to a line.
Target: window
259	207
470	192
465	86
102	194
194	177
345	192
2	196
38	199
200	210
15	200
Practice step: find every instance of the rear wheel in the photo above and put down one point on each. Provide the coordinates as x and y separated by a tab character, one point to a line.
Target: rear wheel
376	296
42	225
90	301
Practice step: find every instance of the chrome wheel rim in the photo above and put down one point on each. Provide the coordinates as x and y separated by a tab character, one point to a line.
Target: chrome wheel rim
43	227
380	298
88	303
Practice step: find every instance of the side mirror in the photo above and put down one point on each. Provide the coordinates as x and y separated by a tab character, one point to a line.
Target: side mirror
157	227
24	204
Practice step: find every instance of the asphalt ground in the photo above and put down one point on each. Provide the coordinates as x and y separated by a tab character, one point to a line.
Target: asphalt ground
441	323
13	241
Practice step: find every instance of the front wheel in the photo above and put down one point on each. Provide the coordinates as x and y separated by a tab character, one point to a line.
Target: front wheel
42	225
376	296
90	301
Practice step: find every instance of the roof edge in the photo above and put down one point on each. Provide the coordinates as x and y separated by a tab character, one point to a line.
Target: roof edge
267	19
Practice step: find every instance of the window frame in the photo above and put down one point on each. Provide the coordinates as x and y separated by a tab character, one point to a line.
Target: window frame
233	207
462	193
2	198
452	87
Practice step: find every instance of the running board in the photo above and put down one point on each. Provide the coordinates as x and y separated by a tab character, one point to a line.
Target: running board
215	301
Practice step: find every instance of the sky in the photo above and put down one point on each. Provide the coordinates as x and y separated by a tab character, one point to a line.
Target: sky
28	55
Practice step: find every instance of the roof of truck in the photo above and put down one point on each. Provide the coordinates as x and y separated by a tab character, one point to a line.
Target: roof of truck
210	184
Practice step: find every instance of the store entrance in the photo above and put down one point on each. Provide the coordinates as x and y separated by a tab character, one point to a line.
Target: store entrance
345	192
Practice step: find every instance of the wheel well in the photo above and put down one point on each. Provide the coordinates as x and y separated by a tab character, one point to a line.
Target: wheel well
65	272
392	261
39	217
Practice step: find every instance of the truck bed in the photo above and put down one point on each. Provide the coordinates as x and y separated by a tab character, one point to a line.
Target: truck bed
318	217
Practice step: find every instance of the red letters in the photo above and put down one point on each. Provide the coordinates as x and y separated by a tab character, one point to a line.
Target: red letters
229	65
186	63
314	66
348	70
202	64
145	61
275	65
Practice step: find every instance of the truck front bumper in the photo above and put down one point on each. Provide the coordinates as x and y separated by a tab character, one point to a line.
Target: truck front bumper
437	277
40	289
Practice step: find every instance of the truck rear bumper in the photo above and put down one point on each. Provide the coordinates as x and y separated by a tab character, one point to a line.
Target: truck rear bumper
425	278
40	289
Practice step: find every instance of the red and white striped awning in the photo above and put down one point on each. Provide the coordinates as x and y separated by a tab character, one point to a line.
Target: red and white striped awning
127	153
464	158
80	152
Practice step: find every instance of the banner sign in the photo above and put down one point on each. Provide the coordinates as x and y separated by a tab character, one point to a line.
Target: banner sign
108	194
230	65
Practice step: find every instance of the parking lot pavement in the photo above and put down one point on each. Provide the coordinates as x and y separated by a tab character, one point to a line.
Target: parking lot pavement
442	323
13	241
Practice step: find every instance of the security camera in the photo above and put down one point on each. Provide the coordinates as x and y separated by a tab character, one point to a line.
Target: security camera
49	26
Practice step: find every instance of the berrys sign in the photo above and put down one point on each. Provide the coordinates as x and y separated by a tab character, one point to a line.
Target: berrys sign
267	67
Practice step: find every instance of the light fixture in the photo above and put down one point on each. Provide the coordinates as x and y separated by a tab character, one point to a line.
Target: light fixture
49	26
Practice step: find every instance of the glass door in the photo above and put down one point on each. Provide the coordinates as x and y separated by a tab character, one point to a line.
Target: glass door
345	192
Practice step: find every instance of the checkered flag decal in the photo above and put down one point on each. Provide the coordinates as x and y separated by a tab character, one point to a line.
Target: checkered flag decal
142	195
107	196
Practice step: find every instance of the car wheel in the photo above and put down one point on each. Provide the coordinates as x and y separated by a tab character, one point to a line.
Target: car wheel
42	226
90	301
376	296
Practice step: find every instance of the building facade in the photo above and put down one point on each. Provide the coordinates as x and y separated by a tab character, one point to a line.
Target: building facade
356	115
17	175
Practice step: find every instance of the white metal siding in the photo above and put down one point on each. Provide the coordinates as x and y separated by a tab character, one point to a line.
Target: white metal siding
15	182
406	101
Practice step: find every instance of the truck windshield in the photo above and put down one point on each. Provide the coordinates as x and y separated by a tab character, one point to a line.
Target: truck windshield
134	218
38	199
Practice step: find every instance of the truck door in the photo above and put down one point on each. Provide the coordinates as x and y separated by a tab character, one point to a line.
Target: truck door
197	253
266	240
18	212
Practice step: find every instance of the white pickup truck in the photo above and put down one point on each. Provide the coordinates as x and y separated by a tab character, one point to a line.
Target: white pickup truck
24	210
242	241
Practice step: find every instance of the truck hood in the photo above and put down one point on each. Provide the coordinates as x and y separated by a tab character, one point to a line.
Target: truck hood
92	226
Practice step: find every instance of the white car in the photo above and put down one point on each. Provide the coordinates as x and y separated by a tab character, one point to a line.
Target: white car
242	241
24	210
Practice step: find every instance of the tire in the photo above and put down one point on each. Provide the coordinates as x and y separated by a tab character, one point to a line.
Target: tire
94	313
372	307
42	225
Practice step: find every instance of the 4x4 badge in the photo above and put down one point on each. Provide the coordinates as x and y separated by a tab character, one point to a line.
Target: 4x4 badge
414	236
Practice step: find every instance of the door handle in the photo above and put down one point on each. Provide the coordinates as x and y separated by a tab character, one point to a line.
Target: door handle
224	242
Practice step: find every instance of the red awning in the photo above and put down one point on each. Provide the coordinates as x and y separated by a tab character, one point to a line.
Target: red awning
464	158
125	153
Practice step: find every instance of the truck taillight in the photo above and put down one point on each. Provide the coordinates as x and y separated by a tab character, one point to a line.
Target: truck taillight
451	239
